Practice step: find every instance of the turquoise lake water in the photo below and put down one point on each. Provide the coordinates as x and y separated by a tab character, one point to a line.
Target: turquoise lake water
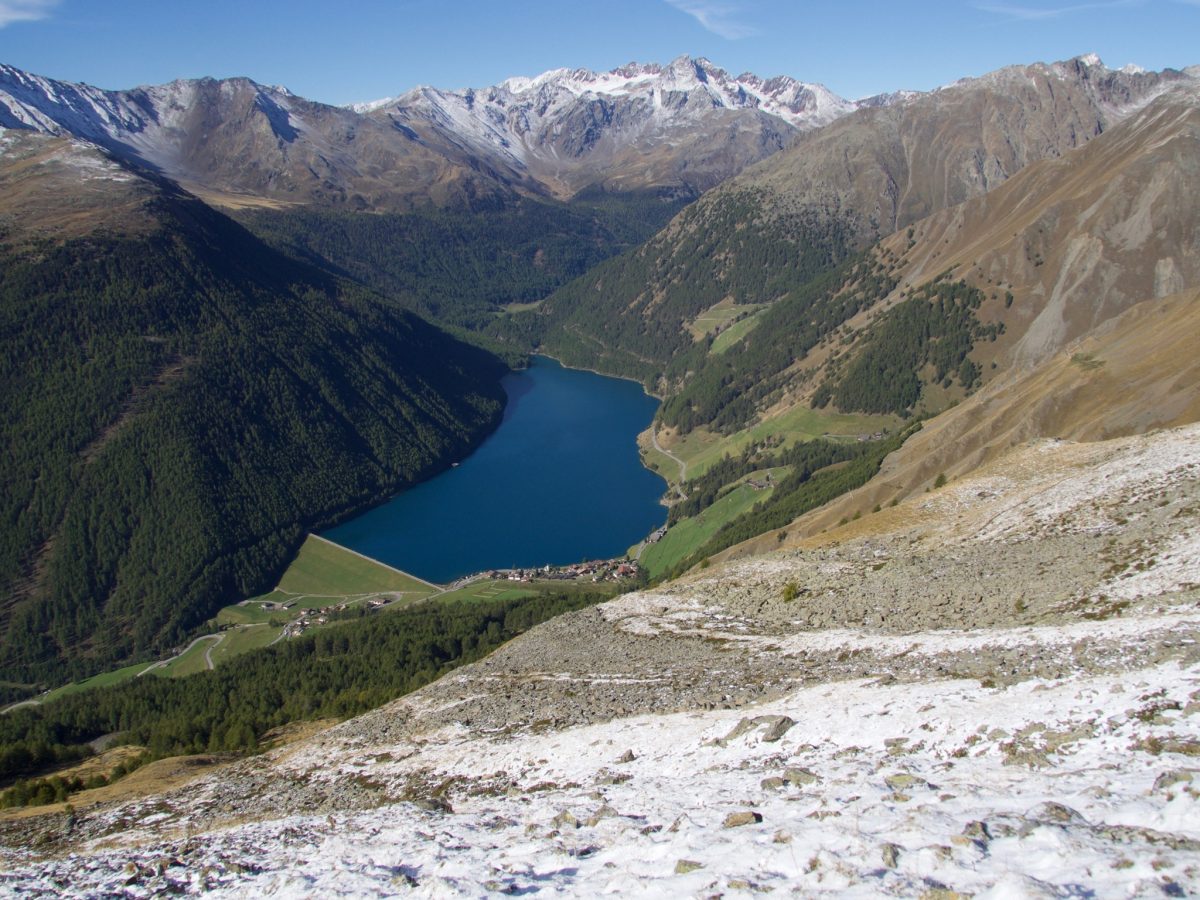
559	481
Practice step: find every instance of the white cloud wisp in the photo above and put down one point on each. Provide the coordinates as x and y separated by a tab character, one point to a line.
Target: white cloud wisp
24	10
717	17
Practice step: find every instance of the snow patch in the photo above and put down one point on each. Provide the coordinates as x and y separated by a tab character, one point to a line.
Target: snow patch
1036	789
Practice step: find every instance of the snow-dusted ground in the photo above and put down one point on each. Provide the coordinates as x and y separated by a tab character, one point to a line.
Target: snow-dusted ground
1077	787
707	738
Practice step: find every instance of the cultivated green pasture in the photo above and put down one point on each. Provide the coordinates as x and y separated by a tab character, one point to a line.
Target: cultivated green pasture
686	537
189	663
719	316
734	333
240	640
104	679
325	568
700	448
325	574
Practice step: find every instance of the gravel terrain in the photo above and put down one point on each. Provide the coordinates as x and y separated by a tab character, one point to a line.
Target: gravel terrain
988	689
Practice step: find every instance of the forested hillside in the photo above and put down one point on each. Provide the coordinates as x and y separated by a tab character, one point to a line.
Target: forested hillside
628	315
770	232
181	405
460	266
335	673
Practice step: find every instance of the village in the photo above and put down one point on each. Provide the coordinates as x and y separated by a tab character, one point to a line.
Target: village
325	614
593	571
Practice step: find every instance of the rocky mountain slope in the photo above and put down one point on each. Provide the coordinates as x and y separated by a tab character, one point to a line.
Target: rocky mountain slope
1097	252
688	125
682	127
950	695
238	142
886	168
838	189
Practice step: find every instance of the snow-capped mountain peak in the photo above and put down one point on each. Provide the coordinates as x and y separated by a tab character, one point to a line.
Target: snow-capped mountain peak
799	104
571	127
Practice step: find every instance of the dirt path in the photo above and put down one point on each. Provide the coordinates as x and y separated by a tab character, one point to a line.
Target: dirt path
8	709
682	465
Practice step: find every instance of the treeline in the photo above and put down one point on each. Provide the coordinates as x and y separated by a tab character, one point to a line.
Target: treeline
815	479
627	315
807	456
335	672
935	327
181	406
57	788
460	266
726	391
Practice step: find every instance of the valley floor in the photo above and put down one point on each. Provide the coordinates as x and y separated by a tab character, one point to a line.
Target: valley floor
991	690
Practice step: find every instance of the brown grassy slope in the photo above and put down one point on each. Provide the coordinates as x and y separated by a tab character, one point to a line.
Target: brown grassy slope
1081	239
1137	373
57	188
886	168
1100	252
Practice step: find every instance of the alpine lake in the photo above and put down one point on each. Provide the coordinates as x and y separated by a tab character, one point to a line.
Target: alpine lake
559	481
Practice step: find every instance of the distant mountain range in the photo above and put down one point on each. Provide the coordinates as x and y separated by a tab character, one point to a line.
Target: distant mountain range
682	127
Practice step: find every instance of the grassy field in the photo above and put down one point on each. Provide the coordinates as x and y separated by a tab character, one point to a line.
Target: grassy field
718	317
657	460
104	679
253	612
491	590
487	589
521	307
323	574
734	333
189	663
700	449
685	538
325	568
239	640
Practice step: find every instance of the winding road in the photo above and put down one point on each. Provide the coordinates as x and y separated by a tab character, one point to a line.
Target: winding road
207	658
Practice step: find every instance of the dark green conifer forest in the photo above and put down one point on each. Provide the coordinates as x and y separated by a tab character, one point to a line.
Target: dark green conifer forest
181	406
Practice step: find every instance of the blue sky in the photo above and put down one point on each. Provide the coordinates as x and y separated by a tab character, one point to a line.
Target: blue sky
365	49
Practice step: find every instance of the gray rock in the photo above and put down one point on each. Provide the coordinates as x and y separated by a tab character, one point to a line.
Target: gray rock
1175	776
903	781
1055	813
776	727
745	817
565	819
798	777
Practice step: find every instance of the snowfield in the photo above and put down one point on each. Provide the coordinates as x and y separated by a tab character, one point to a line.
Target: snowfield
1083	786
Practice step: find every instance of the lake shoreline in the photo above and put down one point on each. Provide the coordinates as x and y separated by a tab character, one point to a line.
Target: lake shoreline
601	374
560	479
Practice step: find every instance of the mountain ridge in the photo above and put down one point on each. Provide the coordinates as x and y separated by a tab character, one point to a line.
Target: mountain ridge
432	144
